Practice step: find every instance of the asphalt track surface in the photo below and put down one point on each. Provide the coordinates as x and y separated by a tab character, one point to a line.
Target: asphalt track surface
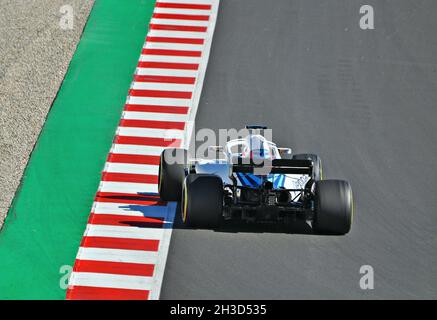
365	102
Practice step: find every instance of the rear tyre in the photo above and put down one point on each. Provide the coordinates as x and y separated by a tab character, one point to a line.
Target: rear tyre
172	173
333	208
317	164
202	201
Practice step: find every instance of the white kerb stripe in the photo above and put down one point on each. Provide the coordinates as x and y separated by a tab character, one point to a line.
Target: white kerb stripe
176	34
136	149
188	1
151	133
159	101
162	86
105	280
128	187
174	22
117	255
172	59
133	115
135	210
173	46
166	72
96	230
131	168
182	11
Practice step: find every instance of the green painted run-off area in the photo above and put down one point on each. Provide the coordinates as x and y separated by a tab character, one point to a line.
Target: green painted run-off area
45	225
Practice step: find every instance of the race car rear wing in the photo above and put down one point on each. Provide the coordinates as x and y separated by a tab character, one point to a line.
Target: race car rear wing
281	166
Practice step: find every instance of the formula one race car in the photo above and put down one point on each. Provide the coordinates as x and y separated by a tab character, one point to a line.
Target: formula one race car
254	181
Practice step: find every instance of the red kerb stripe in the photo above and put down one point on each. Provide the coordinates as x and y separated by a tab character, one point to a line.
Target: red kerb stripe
152	108
125	221
175	40
120	243
128	198
129	177
147	141
160	94
131	269
170	27
168	65
164	79
152	124
168	52
96	293
133	158
180	16
135	195
183	6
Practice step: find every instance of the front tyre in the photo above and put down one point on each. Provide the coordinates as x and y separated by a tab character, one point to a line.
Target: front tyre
333	207
202	201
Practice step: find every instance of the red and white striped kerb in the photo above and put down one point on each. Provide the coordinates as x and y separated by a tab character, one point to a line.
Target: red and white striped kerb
124	248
